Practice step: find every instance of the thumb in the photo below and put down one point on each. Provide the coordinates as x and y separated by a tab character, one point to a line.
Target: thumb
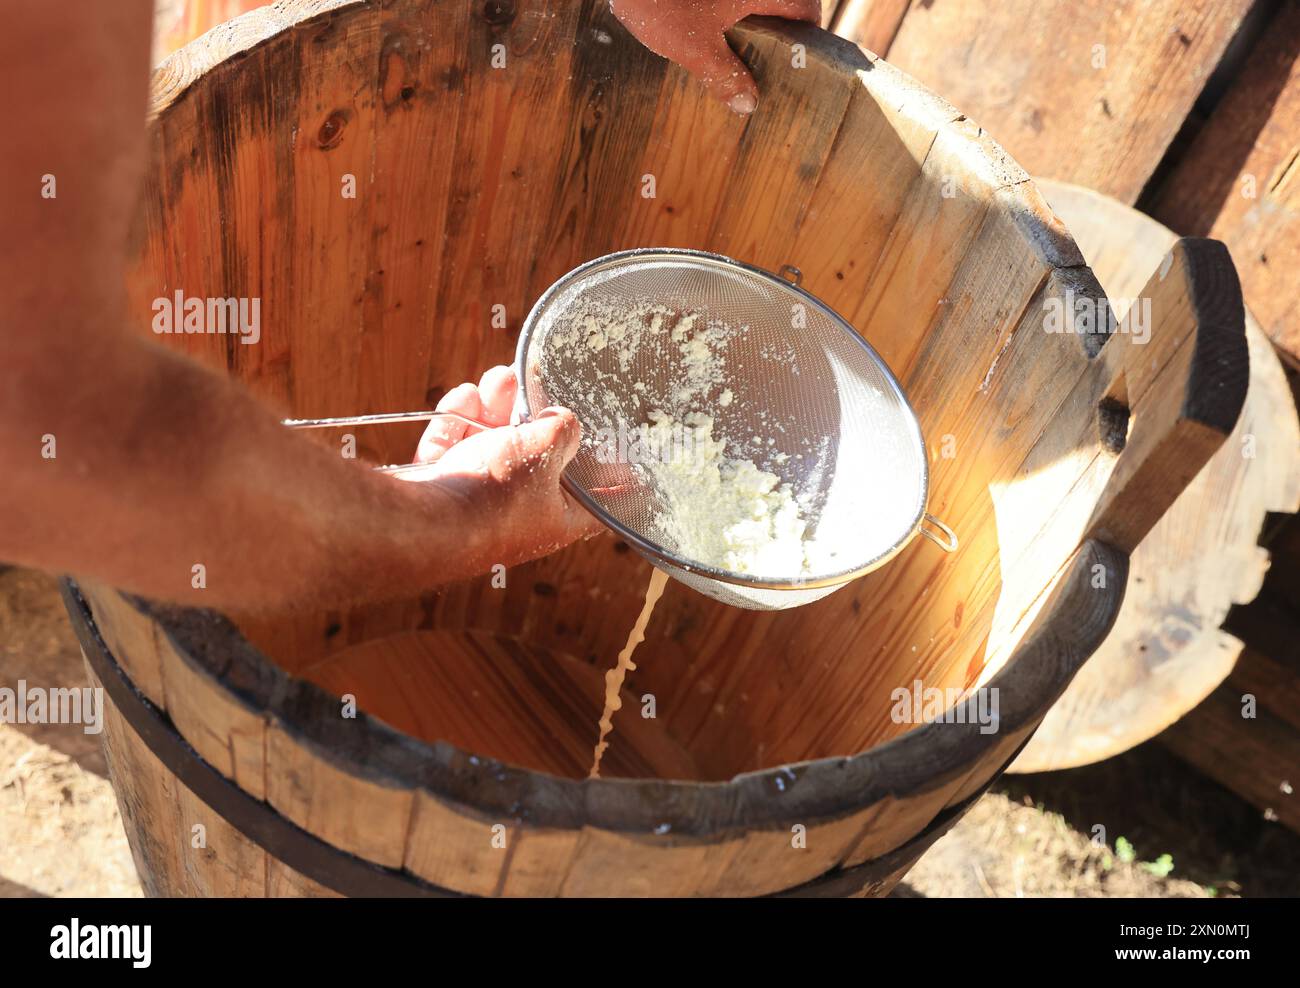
554	434
724	75
551	436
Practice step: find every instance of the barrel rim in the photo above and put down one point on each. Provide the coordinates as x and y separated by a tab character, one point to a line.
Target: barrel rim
925	758
345	873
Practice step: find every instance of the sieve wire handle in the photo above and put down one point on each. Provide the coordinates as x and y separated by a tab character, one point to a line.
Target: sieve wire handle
385	418
946	540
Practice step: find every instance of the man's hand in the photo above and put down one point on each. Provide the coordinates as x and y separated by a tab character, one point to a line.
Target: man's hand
507	477
690	33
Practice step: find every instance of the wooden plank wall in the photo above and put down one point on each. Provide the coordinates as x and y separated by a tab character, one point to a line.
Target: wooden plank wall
1086	91
1190	110
1238	180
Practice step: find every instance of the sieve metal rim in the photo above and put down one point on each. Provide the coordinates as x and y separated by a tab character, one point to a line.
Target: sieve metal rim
523	414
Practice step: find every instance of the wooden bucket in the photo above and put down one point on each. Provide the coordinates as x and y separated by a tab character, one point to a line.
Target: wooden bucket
779	758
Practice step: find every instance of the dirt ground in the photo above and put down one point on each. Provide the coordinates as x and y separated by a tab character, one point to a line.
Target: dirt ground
1168	831
60	833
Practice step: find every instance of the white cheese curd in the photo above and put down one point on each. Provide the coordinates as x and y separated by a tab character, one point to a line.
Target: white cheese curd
718	506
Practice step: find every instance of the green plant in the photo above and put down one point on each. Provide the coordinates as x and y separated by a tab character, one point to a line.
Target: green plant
1161	866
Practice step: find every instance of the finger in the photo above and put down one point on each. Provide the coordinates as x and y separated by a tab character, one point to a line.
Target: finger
553	436
561	429
579	523
791	10
443	433
497	391
724	75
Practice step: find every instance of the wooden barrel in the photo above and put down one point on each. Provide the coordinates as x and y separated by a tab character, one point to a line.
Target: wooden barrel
491	148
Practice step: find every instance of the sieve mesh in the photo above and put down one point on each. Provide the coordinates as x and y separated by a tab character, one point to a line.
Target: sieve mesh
789	385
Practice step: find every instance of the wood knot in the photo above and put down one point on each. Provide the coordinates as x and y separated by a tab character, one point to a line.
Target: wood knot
499	12
1112	425
396	84
326	32
330	134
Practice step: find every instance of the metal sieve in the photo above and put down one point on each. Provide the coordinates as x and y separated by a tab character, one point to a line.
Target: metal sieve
789	385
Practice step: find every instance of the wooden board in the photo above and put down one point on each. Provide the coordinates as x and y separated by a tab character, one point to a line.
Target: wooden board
1252	748
1167	652
1024	70
1239	180
873	24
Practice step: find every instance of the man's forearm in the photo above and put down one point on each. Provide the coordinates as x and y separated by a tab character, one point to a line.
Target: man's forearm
160	466
122	460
